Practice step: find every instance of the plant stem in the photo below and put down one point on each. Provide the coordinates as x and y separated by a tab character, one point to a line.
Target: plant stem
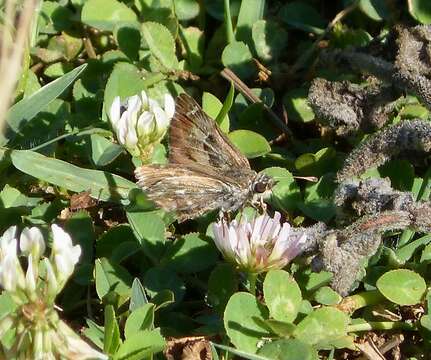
72	133
228	22
352	303
252	278
381	325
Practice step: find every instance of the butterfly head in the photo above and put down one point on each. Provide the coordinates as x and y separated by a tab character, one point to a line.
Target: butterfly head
262	183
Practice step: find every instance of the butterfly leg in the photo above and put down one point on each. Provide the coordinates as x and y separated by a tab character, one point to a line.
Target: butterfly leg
225	215
259	205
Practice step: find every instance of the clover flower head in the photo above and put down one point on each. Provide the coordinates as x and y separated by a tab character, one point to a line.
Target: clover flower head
260	244
39	333
141	122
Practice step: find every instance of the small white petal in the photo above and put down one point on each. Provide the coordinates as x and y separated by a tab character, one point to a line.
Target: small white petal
31	240
152	104
161	120
51	280
134	104
169	106
256	233
144	97
75	254
243	250
145	124
115	111
61	239
7	237
30	276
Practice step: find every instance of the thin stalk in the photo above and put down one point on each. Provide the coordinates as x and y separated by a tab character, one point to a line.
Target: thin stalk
352	303
246	91
252	279
381	325
64	136
228	22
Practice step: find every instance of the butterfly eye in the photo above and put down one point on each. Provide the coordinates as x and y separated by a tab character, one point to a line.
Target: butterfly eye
260	187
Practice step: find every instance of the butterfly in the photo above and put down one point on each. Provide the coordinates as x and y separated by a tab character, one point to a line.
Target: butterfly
205	170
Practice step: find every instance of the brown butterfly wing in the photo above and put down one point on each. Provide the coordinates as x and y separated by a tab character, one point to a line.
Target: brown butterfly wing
196	138
188	191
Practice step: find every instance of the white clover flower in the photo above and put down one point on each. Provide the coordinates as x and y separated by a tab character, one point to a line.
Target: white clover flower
11	273
39	333
258	245
65	255
141	122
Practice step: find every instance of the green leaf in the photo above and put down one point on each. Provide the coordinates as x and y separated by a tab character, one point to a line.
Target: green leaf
326	296
322	325
128	38
413	111
270	39
103	151
11	197
125	80
213	108
237	57
95	333
281	328
26	109
102	185
112	338
318	203
141	345
377	10
186	9
401	173
80	227
241	354
226	106
249	12
159	279
222	284
402	286
163	298
318	164
106	14
405	252
54	18
7	305
190	254
111	277
242	330
291	349
302	16
149	229
194	43
282	295
421	11
139	319
297	106
138	297
426	254
161	44
285	194
251	144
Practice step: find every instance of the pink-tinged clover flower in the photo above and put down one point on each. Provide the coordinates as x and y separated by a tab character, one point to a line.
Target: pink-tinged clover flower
260	244
140	122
